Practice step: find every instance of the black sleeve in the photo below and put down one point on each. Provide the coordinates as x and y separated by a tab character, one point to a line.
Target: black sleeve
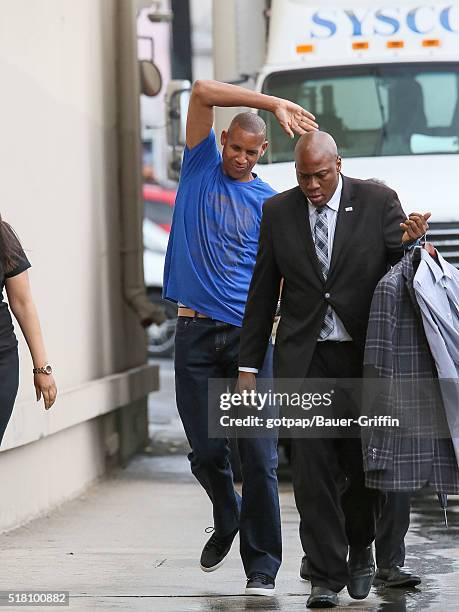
262	300
393	216
21	262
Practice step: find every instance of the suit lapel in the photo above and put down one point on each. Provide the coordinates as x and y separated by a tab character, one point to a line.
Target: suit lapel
301	219
345	223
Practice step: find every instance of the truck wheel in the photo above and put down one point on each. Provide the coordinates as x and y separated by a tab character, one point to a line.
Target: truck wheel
161	337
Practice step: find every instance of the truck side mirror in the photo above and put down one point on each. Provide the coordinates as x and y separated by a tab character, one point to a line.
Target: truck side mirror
177	100
150	78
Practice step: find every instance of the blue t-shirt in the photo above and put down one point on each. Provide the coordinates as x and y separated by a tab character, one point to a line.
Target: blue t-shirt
214	236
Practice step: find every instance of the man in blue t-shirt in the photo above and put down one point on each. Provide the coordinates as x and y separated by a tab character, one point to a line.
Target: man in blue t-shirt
209	263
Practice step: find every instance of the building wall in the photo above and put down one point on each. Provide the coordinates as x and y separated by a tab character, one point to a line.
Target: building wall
59	154
58	144
202	43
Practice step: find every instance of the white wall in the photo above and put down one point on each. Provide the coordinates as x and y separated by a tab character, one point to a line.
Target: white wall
59	157
201	34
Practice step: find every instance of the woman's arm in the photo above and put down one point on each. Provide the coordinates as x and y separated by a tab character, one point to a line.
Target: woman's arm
23	308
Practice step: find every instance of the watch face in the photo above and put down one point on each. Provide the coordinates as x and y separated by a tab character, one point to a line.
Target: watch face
48	369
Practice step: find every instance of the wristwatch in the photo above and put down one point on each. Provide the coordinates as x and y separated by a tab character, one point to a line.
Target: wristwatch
46	369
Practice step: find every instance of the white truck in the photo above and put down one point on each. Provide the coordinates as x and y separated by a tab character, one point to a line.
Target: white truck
382	77
384	81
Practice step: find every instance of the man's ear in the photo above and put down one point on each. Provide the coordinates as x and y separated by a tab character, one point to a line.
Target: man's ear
223	137
264	146
338	164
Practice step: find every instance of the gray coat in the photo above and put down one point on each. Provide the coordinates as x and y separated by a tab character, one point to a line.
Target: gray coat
402	382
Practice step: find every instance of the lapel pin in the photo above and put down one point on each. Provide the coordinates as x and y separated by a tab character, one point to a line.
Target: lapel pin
349	209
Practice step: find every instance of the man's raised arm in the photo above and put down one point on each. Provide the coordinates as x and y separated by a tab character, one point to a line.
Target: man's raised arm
206	94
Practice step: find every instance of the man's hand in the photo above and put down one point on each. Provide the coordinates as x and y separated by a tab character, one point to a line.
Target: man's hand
293	118
246	382
415	226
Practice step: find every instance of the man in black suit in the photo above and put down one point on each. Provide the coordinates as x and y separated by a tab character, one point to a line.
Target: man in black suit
331	239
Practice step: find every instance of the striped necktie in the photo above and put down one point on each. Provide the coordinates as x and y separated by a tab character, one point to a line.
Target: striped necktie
321	244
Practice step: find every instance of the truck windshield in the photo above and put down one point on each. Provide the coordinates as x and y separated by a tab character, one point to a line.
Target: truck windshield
390	109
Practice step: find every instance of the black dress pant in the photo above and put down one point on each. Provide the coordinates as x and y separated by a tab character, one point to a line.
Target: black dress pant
9	381
391	529
321	468
392	524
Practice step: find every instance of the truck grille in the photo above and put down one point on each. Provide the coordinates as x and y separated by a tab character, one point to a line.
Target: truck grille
445	237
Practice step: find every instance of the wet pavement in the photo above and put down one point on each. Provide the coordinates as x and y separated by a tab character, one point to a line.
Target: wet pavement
132	542
432	550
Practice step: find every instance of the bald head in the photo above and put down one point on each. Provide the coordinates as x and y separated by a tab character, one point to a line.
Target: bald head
249	122
317	144
318	166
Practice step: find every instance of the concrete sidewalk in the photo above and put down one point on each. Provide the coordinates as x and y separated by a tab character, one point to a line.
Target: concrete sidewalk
133	543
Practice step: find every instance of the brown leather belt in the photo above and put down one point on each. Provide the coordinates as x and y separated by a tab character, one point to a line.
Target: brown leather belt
189	312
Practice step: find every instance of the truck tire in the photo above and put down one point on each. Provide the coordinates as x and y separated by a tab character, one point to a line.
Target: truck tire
161	338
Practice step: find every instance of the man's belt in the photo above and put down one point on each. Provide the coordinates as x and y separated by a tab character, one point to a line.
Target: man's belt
189	312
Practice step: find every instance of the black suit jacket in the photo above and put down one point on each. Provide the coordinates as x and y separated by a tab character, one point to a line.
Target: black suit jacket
367	242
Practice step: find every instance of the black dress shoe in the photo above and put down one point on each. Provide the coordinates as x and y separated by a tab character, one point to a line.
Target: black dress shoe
304	569
362	572
322	597
395	577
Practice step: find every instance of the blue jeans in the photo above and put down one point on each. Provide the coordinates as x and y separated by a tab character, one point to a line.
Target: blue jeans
206	349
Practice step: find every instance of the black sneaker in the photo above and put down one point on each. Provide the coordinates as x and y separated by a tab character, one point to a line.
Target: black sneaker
215	551
260	584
